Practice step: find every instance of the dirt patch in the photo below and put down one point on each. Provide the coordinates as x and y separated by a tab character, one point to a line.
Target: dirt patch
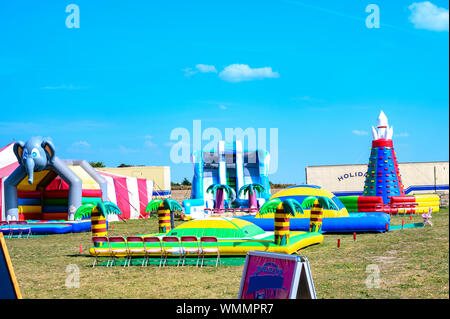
181	194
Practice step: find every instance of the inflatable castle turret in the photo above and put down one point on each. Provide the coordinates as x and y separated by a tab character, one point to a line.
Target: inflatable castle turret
383	178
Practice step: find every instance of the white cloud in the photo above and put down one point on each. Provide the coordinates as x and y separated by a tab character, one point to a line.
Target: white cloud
426	15
202	68
242	72
233	72
222	107
356	132
205	68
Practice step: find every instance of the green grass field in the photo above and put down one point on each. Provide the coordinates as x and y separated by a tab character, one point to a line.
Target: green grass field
412	263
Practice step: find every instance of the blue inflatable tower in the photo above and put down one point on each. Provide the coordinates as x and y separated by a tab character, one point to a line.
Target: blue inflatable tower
383	176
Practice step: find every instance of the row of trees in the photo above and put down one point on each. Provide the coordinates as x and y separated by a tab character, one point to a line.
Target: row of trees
101	164
185	182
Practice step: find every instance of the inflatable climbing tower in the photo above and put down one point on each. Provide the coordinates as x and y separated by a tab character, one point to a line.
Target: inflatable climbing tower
383	177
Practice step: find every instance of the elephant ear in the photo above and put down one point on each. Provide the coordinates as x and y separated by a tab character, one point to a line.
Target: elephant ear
49	148
18	150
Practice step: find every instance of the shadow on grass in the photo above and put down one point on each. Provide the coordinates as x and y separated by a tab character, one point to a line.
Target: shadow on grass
79	255
209	261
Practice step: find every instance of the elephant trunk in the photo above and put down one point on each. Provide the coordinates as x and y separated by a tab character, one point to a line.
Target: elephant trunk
29	167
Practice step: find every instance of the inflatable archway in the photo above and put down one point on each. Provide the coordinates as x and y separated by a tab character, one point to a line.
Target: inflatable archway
38	168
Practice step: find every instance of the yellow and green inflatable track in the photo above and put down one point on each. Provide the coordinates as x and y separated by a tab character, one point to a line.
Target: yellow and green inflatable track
236	237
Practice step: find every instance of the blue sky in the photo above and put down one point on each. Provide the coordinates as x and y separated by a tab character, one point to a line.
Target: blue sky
115	88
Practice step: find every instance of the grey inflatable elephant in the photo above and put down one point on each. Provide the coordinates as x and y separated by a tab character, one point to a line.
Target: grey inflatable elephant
36	155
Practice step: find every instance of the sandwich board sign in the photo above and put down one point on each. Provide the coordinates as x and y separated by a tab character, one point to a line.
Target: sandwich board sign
276	276
9	289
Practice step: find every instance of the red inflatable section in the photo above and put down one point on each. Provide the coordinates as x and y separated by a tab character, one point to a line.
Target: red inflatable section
403	199
370	204
382	143
54	216
404	204
370	200
30	216
57	184
29	195
65	193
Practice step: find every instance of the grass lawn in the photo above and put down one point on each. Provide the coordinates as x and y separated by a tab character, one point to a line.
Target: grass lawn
412	263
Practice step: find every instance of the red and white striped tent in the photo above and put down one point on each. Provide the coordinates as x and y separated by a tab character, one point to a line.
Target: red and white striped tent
8	163
130	194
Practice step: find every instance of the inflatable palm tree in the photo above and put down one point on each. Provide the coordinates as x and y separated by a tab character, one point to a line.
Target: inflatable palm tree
283	210
97	213
165	209
315	223
325	202
219	191
251	189
317	205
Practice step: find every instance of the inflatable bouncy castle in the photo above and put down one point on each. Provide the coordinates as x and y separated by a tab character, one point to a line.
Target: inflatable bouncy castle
54	189
383	186
31	191
228	167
